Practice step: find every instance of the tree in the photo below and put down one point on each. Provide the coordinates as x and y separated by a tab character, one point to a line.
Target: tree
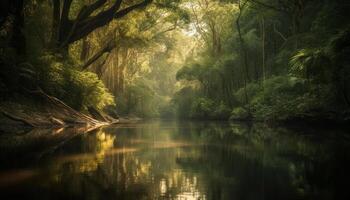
15	9
66	31
243	50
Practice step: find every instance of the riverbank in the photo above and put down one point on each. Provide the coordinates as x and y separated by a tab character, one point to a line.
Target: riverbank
41	110
316	120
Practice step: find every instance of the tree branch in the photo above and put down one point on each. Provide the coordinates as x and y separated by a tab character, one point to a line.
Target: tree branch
125	11
55	21
65	12
86	26
268	6
86	11
165	31
110	45
279	33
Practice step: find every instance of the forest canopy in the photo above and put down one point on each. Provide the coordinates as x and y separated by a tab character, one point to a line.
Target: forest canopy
202	59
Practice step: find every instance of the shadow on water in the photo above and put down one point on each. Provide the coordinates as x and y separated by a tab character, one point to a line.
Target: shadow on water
176	160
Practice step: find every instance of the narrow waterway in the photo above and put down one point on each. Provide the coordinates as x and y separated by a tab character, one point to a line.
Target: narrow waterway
176	160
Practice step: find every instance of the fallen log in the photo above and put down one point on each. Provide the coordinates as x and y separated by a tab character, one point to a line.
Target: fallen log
52	113
16	118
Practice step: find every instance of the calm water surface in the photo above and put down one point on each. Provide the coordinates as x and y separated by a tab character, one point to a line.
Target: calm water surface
176	160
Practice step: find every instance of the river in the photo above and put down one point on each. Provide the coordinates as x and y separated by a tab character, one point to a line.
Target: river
176	160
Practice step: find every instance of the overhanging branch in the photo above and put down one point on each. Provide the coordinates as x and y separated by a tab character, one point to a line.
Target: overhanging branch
84	24
125	11
275	8
110	45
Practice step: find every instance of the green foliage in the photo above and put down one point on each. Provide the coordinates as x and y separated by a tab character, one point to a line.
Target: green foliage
281	68
183	100
37	28
202	108
274	65
281	98
252	89
167	111
77	88
192	72
189	104
311	64
221	111
239	113
140	100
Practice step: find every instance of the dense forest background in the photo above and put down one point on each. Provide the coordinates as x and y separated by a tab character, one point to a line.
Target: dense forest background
203	59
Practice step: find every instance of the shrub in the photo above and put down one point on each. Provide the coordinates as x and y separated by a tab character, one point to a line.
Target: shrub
252	89
79	89
202	108
239	113
285	97
280	98
221	111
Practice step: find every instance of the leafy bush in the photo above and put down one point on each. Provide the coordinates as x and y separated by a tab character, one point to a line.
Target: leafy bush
221	111
63	80
252	89
188	103
280	98
311	64
239	113
202	108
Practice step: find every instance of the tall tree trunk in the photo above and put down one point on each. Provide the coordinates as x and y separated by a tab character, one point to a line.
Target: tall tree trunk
263	47
5	10
106	49
121	70
85	50
55	22
18	41
297	14
243	51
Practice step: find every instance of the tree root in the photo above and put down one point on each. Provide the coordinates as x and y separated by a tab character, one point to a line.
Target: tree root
16	118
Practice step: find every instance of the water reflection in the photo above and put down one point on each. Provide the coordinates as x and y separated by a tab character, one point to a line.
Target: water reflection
173	160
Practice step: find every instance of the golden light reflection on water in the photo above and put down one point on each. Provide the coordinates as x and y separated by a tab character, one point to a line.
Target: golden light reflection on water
152	163
106	148
189	190
90	161
187	187
126	163
88	156
112	151
132	164
101	145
